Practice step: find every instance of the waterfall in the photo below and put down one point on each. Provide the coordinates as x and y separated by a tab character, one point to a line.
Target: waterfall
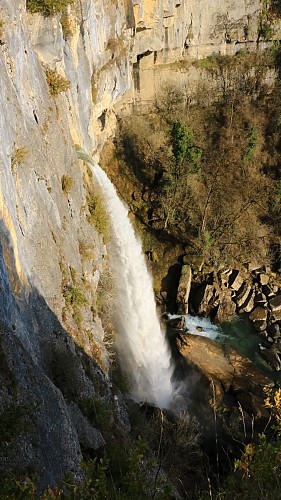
143	350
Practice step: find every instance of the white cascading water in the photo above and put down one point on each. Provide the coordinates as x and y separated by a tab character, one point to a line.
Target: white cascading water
142	346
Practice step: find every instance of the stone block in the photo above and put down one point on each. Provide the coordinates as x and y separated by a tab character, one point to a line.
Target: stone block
264	279
184	289
244	295
275	303
258	314
235	280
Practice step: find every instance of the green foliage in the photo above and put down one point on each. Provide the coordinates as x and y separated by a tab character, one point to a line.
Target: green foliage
47	7
252	145
74	296
212	61
266	18
208	240
98	215
21	487
67	183
257	473
56	83
66	26
183	145
205	197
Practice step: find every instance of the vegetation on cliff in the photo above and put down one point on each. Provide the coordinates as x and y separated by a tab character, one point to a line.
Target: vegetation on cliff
47	7
205	167
139	466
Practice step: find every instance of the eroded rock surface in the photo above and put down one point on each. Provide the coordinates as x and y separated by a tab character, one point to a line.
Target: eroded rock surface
227	370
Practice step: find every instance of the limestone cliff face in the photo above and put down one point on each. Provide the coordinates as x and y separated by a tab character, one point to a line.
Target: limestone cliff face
50	253
172	30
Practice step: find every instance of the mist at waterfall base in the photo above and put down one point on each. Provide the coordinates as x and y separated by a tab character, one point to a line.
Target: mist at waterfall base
142	346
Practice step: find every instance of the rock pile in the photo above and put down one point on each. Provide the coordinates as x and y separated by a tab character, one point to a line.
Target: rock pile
223	293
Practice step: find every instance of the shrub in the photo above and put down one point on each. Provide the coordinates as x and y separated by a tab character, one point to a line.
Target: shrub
94	89
2	23
47	7
18	157
67	183
253	139
56	83
98	215
66	25
74	296
86	250
265	30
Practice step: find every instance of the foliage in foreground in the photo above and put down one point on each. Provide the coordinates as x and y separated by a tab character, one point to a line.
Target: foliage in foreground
257	474
131	471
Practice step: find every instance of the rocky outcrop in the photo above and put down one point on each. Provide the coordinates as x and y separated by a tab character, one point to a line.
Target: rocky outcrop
184	289
227	370
227	292
54	364
168	32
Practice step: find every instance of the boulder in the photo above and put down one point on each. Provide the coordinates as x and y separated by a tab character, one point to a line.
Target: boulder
275	316
244	295
260	326
205	298
258	314
259	317
224	276
176	323
264	279
275	303
227	370
184	289
235	280
260	298
226	308
267	291
249	305
272	357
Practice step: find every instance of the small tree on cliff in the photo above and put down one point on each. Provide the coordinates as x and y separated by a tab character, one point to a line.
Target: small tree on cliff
186	160
183	146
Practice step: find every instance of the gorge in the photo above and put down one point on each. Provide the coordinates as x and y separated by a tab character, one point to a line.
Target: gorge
179	102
